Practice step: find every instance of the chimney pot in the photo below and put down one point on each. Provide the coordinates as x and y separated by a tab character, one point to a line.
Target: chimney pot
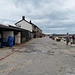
23	17
30	22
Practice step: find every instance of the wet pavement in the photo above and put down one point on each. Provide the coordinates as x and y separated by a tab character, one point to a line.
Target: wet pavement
42	56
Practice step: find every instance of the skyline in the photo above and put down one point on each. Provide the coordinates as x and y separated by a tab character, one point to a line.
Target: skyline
52	16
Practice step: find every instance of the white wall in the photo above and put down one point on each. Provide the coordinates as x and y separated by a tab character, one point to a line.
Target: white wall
18	38
25	25
6	34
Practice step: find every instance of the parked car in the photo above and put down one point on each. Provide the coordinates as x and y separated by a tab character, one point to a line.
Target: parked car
58	39
53	36
50	36
63	39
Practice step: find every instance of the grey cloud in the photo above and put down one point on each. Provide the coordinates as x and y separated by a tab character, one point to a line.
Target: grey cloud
46	14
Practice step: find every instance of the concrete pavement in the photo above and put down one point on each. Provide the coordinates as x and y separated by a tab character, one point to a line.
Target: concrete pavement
42	56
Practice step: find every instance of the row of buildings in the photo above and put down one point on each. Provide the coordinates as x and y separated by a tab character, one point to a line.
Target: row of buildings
22	31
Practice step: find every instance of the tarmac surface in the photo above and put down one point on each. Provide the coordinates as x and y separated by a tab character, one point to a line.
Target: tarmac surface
41	56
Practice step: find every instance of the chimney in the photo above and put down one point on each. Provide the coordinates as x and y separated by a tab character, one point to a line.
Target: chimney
23	17
30	22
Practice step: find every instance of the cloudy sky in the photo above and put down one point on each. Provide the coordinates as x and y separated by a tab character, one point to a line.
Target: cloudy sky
52	16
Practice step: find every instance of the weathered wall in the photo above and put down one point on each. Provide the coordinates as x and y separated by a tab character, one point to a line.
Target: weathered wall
18	38
6	34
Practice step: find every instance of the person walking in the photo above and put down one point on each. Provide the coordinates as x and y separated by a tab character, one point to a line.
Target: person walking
73	37
67	39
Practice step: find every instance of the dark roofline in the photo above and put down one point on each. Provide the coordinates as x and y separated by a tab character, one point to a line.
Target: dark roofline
39	28
2	26
35	26
18	22
27	22
17	28
22	20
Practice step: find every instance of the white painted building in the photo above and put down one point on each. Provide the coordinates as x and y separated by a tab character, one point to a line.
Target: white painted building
24	24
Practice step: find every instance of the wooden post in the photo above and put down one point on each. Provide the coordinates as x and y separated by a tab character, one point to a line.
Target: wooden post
1	38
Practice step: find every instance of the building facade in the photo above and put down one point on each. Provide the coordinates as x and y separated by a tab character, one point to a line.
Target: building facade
37	32
26	26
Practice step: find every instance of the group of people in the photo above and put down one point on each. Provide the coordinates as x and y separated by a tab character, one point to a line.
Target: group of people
72	40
